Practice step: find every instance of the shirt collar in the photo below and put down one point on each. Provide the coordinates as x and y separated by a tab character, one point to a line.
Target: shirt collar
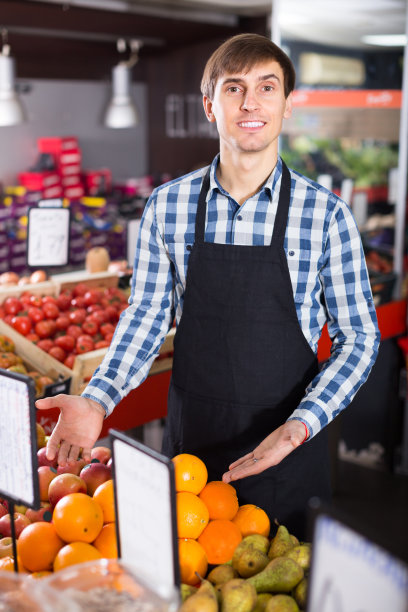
270	185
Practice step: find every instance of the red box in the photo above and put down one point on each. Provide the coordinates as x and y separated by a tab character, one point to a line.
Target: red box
72	180
37	181
57	145
69	170
52	192
69	157
97	181
75	192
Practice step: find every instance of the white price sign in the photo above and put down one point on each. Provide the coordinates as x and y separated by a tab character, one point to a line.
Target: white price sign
146	513
350	573
48	236
18	440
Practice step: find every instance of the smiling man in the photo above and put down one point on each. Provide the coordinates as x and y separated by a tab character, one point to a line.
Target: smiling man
251	259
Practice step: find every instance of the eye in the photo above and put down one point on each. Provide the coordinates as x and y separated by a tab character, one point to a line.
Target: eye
268	88
233	89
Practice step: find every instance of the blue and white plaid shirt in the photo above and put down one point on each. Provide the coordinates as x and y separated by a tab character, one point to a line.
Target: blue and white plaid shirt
326	265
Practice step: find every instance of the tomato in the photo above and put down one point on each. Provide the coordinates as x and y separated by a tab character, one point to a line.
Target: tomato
84	344
36	300
12	305
90	327
74	330
50	310
101	344
33	337
80	289
64	301
8	318
22	324
109	337
45	344
99	316
43	329
77	316
69	361
94	308
35	314
25	299
49	299
2	312
112	314
78	302
63	321
106	328
92	296
58	353
65	342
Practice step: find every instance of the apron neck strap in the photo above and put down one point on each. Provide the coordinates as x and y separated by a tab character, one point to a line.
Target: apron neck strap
279	228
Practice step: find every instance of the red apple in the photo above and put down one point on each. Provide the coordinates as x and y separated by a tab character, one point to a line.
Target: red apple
6	547
42	458
109	463
95	474
3	510
64	484
102	453
20	522
71	468
46	474
42	514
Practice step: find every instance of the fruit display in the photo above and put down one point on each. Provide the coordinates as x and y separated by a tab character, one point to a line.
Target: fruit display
12	362
229	561
76	520
75	321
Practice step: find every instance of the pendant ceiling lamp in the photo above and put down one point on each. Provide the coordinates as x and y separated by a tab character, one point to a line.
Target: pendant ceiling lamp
11	108
121	111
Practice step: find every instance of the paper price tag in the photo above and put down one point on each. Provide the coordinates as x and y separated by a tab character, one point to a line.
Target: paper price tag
48	236
18	448
145	513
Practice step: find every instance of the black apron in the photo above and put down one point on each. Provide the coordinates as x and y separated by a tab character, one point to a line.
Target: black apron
241	366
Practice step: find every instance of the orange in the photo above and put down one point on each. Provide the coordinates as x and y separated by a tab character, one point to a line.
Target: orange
106	542
77	518
38	545
219	540
105	498
192	559
252	519
190	473
192	515
75	552
221	499
7	564
42	574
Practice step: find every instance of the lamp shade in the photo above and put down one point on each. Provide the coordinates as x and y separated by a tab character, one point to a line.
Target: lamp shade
121	111
11	109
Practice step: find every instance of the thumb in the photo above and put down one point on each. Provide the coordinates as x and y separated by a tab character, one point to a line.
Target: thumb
56	401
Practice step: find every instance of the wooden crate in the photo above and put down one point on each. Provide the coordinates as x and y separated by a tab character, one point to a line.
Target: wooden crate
100	280
45	288
86	364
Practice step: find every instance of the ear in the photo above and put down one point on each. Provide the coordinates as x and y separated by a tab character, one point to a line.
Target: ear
288	107
207	103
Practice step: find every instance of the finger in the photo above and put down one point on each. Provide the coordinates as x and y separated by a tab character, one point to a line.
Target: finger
63	452
73	453
249	468
86	454
53	445
241	460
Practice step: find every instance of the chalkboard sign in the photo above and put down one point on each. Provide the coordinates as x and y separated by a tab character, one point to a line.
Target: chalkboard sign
146	513
48	236
351	573
18	440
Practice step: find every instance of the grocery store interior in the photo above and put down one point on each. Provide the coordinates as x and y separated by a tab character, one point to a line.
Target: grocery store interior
348	131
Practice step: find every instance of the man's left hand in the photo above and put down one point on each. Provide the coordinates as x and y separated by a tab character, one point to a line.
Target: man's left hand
270	452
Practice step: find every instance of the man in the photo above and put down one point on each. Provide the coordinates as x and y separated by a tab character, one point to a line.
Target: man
251	259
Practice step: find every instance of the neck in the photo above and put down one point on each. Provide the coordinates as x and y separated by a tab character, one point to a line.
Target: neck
242	175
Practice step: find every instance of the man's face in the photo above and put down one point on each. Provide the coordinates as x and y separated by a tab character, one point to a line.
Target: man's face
249	108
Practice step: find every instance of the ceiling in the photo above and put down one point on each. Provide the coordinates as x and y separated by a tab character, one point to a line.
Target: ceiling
329	22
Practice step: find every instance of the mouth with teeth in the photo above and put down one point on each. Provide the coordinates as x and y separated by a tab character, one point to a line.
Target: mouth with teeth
251	125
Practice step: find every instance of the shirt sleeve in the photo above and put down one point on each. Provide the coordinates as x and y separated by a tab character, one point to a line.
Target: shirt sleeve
143	325
351	322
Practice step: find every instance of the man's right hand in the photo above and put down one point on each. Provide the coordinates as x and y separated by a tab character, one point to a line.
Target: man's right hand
79	426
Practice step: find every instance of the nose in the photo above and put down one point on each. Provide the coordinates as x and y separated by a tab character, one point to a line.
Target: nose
250	102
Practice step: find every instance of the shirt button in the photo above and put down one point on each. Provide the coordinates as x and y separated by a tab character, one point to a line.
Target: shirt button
239	218
189	247
291	253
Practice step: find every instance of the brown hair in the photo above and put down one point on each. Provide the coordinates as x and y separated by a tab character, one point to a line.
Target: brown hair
241	53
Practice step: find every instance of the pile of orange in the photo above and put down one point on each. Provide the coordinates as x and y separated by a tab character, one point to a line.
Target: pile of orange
210	521
82	529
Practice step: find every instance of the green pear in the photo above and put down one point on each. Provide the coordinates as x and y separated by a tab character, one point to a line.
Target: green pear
261	601
300	593
186	590
294	539
250	562
281	575
301	554
237	595
282	603
222	573
281	543
203	600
